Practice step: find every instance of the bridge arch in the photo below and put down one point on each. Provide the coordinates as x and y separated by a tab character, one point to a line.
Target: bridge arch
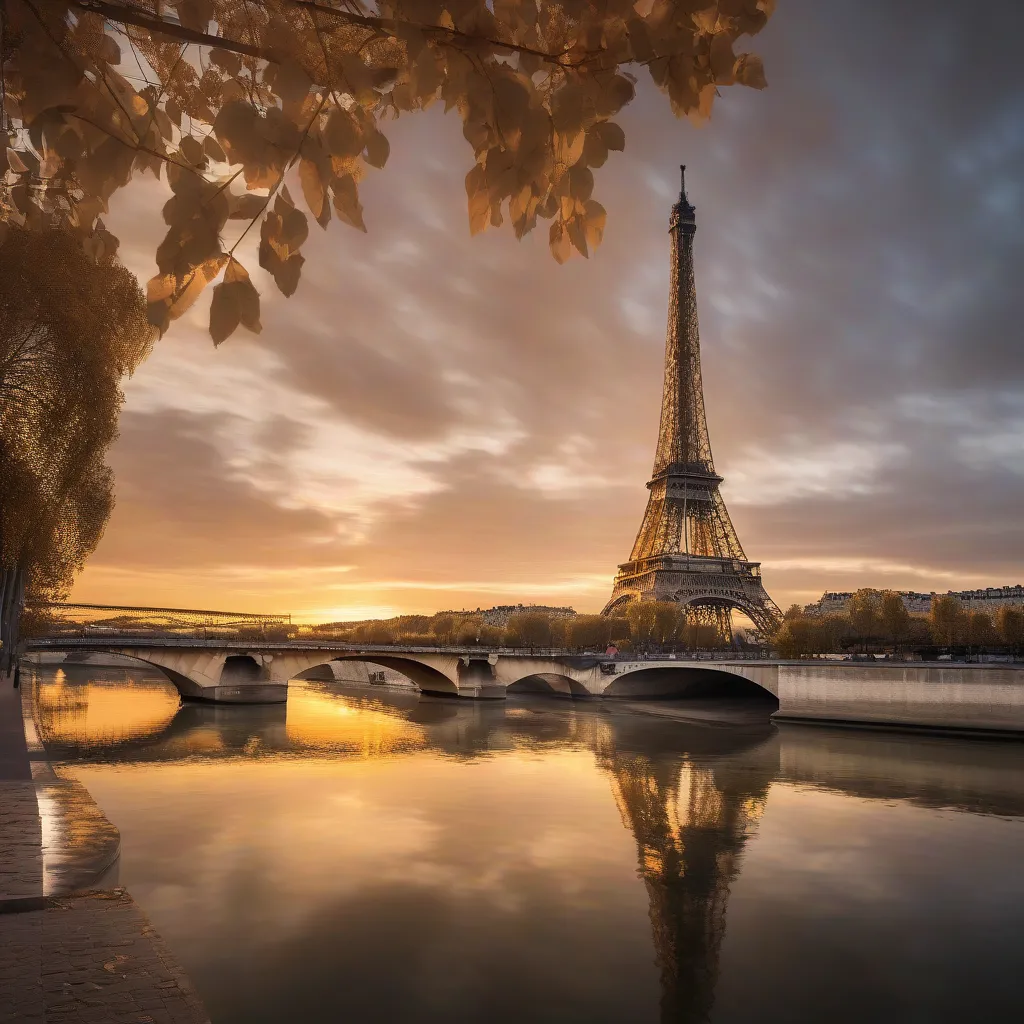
220	676
240	668
186	687
552	683
666	682
427	678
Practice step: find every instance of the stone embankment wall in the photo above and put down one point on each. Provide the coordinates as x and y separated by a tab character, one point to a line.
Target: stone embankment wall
963	697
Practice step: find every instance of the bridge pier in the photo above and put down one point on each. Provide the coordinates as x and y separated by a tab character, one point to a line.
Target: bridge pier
248	693
477	680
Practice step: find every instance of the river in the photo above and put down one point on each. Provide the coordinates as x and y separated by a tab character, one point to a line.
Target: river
368	855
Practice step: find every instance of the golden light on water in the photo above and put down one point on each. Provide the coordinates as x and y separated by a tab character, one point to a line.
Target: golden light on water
102	711
348	724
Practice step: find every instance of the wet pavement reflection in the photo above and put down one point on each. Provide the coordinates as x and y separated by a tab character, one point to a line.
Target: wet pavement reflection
365	854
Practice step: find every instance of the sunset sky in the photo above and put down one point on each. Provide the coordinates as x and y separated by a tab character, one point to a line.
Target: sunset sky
435	421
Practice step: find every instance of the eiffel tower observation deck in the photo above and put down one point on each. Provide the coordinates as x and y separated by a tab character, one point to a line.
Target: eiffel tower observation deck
687	550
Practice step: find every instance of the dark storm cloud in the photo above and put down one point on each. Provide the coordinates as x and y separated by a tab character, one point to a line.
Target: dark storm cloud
859	258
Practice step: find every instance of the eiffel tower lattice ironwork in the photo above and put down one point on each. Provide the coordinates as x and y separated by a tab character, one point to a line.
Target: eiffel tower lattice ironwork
687	550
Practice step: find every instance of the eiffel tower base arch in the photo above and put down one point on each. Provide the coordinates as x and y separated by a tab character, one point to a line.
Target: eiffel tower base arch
708	590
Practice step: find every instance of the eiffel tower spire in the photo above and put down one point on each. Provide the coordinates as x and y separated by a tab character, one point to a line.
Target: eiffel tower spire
687	549
683	435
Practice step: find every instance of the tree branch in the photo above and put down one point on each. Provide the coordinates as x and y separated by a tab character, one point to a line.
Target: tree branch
390	26
116	12
129	16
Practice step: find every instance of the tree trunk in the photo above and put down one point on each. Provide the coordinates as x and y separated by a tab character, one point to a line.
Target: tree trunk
12	602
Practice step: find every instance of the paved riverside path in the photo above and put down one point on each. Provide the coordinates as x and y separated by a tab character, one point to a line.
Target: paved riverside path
72	947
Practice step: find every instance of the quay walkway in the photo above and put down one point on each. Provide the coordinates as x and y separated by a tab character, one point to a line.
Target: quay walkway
74	948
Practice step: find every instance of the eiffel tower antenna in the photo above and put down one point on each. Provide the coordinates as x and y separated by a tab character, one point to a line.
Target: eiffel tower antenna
687	550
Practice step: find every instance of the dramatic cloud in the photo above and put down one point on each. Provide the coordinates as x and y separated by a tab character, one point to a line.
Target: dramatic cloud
439	421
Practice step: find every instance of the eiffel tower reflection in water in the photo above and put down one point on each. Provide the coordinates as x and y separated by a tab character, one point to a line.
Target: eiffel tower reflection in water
690	819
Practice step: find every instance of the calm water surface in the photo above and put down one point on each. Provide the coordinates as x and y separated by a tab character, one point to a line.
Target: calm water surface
366	855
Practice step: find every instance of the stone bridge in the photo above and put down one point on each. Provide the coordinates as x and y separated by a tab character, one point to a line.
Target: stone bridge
943	695
244	673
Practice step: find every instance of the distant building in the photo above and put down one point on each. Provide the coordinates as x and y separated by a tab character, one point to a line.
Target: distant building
991	599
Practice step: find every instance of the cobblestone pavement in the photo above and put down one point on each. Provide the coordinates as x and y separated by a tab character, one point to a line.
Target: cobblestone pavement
92	958
21	838
68	954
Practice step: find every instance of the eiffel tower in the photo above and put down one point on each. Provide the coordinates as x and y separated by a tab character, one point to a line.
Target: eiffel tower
687	550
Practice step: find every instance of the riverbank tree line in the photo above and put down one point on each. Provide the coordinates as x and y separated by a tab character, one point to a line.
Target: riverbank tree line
878	622
648	626
72	325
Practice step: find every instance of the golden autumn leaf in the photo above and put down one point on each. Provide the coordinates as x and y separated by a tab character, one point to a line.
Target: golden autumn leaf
558	240
212	149
722	59
567	109
581	182
246	206
312	186
282	233
568	149
378	149
190	285
192	150
161	287
749	71
173	110
479	200
595	149
235	301
346	201
594	226
292	82
225	315
342	134
611	135
511	101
